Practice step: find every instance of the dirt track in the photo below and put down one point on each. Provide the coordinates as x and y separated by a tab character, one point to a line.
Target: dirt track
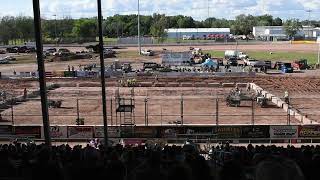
199	102
164	106
286	47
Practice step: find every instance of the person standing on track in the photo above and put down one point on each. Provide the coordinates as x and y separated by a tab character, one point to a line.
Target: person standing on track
286	97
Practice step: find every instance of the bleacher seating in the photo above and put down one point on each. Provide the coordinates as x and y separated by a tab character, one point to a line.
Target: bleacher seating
224	162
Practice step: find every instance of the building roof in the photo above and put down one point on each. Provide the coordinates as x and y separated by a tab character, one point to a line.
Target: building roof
203	30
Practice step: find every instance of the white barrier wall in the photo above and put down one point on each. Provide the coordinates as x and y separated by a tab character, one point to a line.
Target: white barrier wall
277	101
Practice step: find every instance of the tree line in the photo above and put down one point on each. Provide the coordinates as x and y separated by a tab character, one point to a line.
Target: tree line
85	29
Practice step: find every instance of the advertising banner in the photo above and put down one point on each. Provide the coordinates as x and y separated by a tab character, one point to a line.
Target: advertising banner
69	73
80	131
170	132
283	131
255	132
228	132
113	132
5	130
34	131
25	74
58	132
199	132
145	132
309	131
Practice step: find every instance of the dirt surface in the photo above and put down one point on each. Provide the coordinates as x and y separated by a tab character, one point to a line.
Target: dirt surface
199	103
164	107
275	47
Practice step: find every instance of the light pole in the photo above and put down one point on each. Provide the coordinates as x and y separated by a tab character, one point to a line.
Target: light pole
55	29
42	75
318	41
139	42
309	11
103	80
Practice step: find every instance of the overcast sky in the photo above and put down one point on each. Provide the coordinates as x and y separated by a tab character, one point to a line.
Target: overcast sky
198	9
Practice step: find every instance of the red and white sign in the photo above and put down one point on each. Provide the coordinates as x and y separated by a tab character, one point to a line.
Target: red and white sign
57	132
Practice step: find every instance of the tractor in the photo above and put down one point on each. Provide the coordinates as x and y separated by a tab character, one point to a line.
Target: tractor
262	101
302	64
128	83
233	99
54	103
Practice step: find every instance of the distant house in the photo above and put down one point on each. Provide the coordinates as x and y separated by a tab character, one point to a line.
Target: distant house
274	33
198	33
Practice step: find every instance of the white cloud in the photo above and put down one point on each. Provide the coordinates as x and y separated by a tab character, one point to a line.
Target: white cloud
195	8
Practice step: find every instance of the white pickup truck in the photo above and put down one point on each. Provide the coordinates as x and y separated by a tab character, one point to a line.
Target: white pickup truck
147	52
236	54
254	63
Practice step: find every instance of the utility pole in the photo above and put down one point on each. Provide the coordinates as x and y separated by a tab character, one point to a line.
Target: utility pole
252	112
55	29
208	9
309	11
78	112
181	110
139	41
318	41
217	112
41	69
12	120
103	80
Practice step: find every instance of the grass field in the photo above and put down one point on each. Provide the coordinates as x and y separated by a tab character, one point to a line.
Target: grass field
25	59
276	56
127	54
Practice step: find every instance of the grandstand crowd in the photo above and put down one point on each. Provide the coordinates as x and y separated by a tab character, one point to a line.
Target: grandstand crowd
187	162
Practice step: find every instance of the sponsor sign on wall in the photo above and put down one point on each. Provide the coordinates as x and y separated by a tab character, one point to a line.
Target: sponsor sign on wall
57	132
113	132
228	132
145	132
80	131
5	130
255	132
33	131
309	131
284	131
170	132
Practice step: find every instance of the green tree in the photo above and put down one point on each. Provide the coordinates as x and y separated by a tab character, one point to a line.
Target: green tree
277	22
85	29
243	24
8	30
158	29
291	27
24	28
264	20
185	22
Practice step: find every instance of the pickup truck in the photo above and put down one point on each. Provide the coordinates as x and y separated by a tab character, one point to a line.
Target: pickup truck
237	54
147	52
254	63
4	61
232	62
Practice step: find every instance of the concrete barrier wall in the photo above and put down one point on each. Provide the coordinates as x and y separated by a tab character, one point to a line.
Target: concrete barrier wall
280	103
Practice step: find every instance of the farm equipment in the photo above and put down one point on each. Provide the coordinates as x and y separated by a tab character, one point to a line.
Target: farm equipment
126	67
286	68
128	83
302	64
262	101
55	103
235	97
277	65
